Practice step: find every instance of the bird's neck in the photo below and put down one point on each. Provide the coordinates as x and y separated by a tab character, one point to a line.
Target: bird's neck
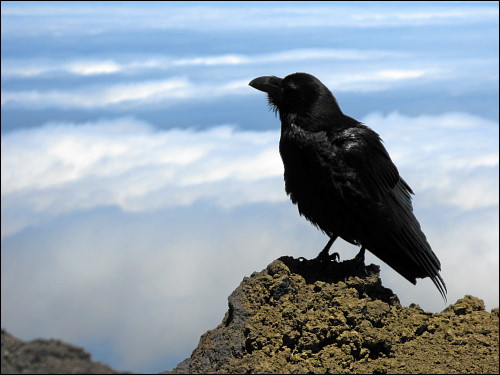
315	121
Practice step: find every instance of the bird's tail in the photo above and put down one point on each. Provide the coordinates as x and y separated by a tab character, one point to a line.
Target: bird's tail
408	252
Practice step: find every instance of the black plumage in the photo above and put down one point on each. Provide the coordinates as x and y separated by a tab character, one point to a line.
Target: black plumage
339	174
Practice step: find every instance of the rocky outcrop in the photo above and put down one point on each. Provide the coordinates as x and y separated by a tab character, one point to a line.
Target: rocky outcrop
293	317
299	316
47	357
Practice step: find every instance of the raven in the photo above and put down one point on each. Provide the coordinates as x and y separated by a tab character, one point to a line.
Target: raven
341	177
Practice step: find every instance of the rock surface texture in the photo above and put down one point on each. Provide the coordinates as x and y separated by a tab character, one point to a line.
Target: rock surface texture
47	357
293	317
299	316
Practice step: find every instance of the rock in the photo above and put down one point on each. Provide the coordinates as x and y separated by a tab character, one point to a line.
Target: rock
47	357
300	317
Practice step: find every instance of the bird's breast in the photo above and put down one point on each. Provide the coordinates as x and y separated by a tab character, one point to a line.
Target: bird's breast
312	169
318	181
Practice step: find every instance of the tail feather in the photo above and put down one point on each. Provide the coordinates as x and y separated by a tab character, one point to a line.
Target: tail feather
408	252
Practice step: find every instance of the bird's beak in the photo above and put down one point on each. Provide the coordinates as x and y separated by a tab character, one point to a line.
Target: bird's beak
270	84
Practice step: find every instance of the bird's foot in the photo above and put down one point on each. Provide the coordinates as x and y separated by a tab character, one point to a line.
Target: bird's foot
328	267
326	257
322	258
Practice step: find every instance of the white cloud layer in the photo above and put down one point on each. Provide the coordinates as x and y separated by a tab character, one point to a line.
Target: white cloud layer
172	90
32	68
125	93
102	18
58	168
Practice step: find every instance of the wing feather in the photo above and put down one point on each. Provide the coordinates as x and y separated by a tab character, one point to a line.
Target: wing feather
378	180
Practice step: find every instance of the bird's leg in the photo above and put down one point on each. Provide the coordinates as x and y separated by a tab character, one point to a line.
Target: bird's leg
323	256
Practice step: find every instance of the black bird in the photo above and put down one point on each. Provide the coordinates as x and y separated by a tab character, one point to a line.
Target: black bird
339	174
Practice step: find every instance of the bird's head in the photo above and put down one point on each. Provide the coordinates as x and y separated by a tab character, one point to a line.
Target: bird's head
298	94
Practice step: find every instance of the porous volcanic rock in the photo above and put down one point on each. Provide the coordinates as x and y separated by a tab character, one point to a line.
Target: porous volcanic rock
47	357
295	317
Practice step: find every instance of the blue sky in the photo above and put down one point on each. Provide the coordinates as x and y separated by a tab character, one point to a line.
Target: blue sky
141	179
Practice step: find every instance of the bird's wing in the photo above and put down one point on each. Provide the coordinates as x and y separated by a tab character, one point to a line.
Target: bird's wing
378	179
364	152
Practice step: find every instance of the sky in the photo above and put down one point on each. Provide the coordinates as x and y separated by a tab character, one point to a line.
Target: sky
141	178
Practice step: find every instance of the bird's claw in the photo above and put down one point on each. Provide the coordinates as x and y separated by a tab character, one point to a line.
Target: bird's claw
325	257
334	257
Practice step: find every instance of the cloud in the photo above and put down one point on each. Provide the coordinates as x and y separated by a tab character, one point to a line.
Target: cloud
58	168
100	19
126	93
98	96
425	17
450	160
148	284
176	89
145	281
29	68
372	80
